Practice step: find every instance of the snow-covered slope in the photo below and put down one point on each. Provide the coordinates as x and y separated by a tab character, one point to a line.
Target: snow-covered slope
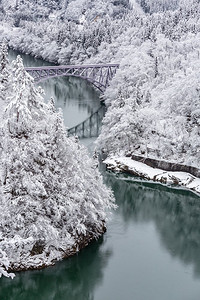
153	100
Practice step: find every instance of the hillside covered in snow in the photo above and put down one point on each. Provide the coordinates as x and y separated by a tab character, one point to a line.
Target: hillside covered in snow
52	198
153	101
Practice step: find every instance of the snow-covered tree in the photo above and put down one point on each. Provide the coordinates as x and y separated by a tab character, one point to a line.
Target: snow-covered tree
53	200
5	77
158	5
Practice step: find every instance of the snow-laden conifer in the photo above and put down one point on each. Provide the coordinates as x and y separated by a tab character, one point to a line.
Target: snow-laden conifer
5	78
53	201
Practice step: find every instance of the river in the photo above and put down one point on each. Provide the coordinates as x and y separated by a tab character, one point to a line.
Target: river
151	250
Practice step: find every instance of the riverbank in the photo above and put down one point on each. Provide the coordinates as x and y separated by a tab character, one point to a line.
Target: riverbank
38	259
144	169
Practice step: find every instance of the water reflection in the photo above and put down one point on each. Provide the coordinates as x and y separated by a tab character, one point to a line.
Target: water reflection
90	127
75	96
74	278
176	214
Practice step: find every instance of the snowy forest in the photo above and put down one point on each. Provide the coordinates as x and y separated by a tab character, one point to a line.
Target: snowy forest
153	102
153	110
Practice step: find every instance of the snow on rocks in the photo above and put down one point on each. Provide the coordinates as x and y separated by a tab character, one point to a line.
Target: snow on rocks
127	164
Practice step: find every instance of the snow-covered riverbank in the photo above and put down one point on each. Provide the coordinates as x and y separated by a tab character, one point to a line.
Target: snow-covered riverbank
138	168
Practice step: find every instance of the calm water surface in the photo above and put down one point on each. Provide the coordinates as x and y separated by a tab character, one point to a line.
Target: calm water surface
151	251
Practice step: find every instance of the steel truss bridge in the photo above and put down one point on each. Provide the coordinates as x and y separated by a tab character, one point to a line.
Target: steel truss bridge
98	75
